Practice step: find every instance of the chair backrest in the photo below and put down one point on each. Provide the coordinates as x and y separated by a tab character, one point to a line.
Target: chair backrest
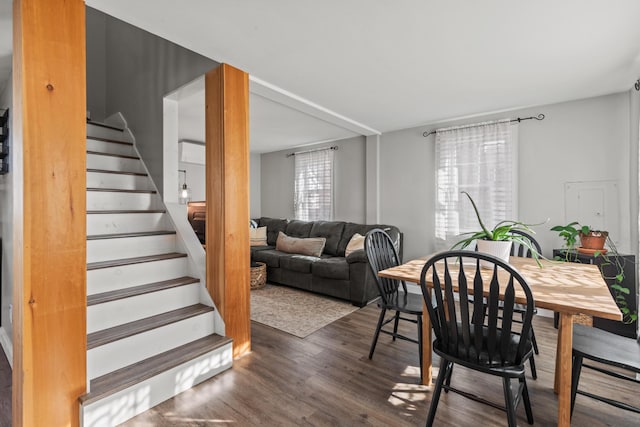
460	324
521	250
382	254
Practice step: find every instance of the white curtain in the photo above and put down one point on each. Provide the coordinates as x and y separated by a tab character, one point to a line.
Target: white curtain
313	197
481	160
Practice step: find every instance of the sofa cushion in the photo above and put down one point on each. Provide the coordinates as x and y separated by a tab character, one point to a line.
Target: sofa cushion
296	228
330	230
356	243
351	228
331	268
271	257
274	226
311	246
258	236
299	263
260	248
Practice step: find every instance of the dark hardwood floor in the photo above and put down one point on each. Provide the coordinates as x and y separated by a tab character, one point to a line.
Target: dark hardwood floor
5	391
326	379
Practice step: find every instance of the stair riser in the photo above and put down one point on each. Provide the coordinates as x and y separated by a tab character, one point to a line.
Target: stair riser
129	247
102	132
111	163
118	181
126	223
127	351
110	147
113	278
114	313
108	200
126	404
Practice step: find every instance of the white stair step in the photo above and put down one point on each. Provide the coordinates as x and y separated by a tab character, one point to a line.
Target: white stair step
95	130
122	200
110	162
108	222
121	181
112	146
111	276
121	395
145	338
116	246
141	305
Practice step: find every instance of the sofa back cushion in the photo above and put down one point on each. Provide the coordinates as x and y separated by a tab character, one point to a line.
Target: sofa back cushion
297	228
351	228
330	230
311	246
274	226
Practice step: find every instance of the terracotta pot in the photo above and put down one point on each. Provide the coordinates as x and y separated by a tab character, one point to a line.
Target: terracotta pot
594	240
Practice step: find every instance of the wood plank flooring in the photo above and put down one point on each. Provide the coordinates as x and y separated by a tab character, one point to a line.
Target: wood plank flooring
326	379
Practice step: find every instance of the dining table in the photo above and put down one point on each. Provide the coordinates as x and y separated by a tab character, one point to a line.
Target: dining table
566	288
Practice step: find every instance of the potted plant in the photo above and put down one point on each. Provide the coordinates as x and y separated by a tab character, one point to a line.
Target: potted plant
498	240
611	264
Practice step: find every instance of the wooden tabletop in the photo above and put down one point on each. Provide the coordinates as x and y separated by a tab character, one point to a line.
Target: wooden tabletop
564	287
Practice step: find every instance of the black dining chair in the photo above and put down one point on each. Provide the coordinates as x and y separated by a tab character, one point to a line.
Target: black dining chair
382	254
607	349
474	334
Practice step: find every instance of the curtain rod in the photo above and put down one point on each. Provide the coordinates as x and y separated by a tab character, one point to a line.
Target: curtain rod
334	147
519	119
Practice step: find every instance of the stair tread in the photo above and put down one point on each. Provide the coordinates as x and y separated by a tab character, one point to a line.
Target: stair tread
125	211
124	156
119	190
115	141
136	260
106	336
123	235
128	376
139	290
104	125
117	172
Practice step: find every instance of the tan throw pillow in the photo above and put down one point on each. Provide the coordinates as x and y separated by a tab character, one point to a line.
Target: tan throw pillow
356	243
258	236
311	246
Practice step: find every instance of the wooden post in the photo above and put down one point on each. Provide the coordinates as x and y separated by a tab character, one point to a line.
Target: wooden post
49	295
227	195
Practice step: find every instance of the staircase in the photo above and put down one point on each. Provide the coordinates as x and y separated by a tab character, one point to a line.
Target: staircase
150	334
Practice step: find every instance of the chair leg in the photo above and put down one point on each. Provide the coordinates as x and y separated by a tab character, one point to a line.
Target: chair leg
575	378
525	399
447	380
395	325
532	363
444	367
377	333
419	319
509	402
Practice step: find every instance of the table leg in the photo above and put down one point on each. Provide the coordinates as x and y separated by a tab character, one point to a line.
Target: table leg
427	376
563	368
556	375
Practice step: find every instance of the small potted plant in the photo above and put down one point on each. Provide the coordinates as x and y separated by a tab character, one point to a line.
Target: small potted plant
498	240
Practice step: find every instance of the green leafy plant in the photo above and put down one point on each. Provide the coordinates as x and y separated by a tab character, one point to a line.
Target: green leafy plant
504	230
610	257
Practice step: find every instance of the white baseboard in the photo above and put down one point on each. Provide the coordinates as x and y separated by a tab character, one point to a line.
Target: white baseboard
7	346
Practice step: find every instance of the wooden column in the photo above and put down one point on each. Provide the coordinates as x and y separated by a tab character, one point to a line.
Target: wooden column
227	195
49	296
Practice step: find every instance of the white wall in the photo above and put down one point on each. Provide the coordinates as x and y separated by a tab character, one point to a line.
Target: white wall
584	140
255	209
8	186
277	174
96	63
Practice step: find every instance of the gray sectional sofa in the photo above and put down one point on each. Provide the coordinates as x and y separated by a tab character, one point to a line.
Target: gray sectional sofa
332	273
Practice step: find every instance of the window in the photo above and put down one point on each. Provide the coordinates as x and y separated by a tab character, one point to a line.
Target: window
313	198
482	160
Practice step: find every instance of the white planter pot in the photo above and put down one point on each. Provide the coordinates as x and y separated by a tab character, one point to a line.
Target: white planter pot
497	248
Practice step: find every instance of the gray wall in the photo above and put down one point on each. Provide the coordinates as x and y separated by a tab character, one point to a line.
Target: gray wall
7	189
584	140
277	174
141	69
255	209
96	63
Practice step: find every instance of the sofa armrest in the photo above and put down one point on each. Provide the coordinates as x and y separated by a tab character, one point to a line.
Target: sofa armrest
357	256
